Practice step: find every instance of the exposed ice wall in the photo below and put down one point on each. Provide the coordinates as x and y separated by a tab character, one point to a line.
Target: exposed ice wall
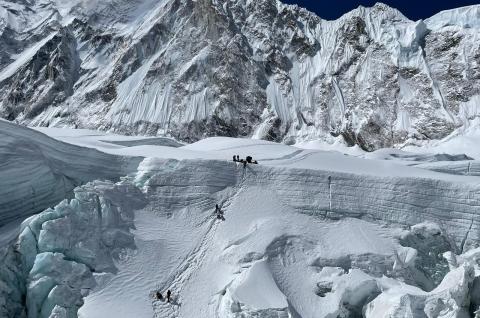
335	195
50	268
38	171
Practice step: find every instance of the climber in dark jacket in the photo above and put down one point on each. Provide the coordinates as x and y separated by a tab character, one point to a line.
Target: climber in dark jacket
219	213
234	158
169	294
159	295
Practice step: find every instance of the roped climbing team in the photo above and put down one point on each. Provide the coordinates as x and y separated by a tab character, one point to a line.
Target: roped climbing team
218	213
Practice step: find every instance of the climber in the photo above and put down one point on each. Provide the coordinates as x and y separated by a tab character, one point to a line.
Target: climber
234	158
251	161
158	295
219	212
238	158
169	294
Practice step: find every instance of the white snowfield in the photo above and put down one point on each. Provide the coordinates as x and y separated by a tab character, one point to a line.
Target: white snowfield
306	233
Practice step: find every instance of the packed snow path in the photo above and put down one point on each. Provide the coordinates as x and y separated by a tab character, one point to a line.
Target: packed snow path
194	261
187	268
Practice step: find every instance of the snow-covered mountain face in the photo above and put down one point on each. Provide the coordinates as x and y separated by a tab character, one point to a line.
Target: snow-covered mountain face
260	69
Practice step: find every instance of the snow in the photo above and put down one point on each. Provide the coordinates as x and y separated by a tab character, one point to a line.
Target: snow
23	58
268	153
255	224
307	232
37	172
465	17
317	229
102	140
463	140
447	300
9	232
258	244
322	77
259	290
60	266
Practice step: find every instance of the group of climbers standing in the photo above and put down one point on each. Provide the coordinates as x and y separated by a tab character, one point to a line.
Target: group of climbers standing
219	213
236	158
159	295
248	159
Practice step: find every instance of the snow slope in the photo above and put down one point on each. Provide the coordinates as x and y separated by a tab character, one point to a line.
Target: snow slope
307	233
267	235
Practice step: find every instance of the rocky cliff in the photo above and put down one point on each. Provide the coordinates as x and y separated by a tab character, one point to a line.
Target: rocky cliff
261	69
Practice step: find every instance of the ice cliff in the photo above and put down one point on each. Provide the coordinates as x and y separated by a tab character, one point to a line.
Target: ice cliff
51	267
37	171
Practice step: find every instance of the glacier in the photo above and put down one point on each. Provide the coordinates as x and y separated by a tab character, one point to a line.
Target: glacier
59	249
37	172
307	233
